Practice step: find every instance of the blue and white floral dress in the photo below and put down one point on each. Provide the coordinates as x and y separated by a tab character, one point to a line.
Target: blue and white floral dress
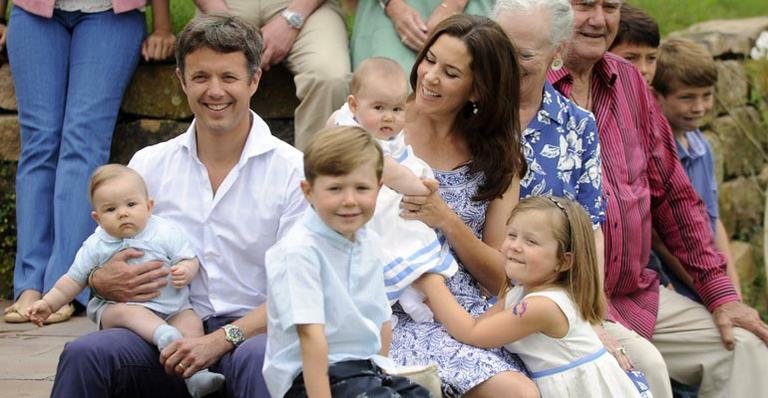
461	366
561	147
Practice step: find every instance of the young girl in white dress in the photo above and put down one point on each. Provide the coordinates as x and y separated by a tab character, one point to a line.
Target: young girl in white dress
546	317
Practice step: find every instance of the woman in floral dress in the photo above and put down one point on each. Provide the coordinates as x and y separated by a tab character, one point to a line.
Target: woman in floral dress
463	121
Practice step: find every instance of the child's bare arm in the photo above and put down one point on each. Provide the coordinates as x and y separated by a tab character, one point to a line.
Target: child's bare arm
386	338
161	42
63	292
314	357
401	179
724	245
499	327
183	272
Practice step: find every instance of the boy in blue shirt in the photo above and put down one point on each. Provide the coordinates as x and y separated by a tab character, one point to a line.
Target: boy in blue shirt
328	313
684	88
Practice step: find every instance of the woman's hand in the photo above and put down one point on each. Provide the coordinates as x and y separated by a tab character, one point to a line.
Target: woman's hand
158	46
440	13
430	209
408	24
614	347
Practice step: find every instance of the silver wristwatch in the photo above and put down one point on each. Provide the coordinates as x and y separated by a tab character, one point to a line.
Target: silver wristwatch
294	19
384	3
233	334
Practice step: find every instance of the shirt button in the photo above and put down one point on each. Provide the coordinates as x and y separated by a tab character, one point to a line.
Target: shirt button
615	225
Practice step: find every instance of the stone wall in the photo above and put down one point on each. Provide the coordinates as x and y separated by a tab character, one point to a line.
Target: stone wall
738	132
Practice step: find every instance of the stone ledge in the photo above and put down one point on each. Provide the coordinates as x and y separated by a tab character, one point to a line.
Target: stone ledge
155	92
726	37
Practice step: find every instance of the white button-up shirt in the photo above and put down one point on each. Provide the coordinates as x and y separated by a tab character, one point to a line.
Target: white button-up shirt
255	205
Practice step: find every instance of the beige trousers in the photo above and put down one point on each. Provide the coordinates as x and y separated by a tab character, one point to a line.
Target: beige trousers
319	61
689	342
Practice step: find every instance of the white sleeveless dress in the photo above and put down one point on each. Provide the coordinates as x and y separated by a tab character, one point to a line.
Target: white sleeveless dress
576	365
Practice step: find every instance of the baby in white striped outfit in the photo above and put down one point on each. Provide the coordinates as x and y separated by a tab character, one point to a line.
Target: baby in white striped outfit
379	91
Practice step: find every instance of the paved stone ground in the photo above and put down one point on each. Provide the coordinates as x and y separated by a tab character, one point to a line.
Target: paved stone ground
28	354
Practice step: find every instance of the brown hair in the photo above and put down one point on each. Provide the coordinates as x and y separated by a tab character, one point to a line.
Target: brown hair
493	134
338	151
636	27
110	171
378	68
683	62
572	228
223	34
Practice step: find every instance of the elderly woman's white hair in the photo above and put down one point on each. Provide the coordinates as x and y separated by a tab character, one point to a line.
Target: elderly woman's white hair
561	23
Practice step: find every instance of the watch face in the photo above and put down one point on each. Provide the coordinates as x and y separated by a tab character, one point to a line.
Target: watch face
295	20
234	334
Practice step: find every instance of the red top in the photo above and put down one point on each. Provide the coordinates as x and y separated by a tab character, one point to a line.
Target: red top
644	183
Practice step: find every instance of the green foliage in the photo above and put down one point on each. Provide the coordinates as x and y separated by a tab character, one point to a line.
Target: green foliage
677	15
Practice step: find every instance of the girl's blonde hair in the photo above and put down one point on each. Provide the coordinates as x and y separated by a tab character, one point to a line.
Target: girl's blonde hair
572	229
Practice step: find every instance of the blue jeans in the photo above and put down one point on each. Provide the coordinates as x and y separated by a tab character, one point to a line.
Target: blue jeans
70	73
118	363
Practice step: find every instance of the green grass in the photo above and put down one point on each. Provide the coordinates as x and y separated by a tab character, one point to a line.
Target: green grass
676	15
671	15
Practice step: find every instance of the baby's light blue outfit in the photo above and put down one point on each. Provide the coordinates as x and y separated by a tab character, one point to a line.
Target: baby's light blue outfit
160	240
317	276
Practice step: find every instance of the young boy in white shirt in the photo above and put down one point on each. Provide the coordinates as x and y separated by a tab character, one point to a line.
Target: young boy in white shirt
328	313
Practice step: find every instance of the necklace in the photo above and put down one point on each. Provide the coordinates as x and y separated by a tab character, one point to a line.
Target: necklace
588	103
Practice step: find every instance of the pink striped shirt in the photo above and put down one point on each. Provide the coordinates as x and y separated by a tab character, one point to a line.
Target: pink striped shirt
44	8
644	183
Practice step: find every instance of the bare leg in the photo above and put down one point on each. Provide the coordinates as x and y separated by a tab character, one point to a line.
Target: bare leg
505	384
188	323
134	317
203	382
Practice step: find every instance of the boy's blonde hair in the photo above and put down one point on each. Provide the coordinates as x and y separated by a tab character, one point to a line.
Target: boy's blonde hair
338	151
109	171
381	68
683	62
572	229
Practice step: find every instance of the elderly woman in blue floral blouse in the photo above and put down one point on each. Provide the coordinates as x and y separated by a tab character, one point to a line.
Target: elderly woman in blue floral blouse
560	141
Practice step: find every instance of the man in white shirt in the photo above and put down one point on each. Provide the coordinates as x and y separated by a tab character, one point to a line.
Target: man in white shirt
234	189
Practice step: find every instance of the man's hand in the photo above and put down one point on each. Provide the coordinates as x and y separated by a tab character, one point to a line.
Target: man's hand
614	347
194	353
736	313
120	282
278	41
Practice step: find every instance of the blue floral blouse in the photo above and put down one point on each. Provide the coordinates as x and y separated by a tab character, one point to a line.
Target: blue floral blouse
563	153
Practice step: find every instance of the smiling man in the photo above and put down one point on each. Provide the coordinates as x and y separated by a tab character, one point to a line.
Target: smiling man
234	189
721	345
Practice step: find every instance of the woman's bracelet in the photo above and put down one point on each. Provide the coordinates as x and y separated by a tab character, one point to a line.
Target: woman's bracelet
90	283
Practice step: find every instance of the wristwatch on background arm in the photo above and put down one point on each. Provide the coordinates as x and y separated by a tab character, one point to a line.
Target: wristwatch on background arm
233	334
384	3
293	18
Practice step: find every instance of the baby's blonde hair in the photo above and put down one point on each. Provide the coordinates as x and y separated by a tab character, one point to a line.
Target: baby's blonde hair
109	171
572	229
380	68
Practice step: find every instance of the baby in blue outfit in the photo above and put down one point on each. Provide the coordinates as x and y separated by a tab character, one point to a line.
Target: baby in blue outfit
123	210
